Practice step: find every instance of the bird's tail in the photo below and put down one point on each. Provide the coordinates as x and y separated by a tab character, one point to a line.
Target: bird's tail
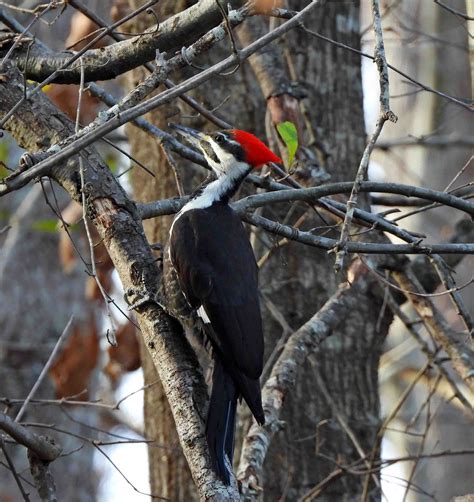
220	424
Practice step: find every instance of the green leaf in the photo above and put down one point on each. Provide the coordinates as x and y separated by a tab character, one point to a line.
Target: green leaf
289	135
3	170
4	151
48	225
5	215
112	161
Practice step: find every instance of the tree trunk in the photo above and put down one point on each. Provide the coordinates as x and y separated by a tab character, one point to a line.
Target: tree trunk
168	469
299	279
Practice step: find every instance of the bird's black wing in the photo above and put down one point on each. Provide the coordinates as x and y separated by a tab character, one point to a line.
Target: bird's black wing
216	268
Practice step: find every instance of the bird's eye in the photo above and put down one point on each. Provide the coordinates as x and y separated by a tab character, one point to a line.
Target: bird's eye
219	138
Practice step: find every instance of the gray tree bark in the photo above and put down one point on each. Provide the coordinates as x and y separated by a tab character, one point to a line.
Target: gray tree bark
298	279
168	469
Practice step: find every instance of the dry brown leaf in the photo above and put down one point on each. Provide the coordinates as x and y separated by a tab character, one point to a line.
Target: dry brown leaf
72	370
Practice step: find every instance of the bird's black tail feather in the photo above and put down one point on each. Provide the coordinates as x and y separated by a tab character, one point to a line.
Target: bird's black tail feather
220	424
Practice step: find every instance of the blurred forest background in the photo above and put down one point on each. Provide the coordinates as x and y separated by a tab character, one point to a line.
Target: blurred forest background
119	432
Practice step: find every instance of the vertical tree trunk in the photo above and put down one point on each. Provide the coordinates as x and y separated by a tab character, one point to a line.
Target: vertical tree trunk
169	473
299	279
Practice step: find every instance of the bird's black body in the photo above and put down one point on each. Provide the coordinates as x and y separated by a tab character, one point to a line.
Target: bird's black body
211	279
209	263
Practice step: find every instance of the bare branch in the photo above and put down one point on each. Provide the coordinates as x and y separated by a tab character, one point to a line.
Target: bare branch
425	348
45	369
50	78
72	145
384	115
168	83
140	122
457	13
109	62
12	468
464	103
44	448
454	344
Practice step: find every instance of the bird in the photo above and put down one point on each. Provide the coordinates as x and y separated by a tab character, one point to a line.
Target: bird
210	281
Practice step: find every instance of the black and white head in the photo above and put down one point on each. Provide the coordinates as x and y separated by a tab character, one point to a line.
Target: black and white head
230	152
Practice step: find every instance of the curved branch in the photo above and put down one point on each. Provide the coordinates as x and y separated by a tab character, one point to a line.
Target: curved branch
311	194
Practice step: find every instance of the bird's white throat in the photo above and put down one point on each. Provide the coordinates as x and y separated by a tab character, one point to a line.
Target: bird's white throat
216	190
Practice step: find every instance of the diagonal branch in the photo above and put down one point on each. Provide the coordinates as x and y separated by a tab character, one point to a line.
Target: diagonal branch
41	446
61	152
119	225
109	62
456	345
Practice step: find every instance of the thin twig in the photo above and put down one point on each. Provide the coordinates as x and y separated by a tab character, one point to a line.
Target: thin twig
459	101
455	344
45	369
15	474
169	157
457	13
384	115
151	495
431	354
23	33
111	334
344	424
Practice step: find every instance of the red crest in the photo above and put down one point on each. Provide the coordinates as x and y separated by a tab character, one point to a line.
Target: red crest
256	152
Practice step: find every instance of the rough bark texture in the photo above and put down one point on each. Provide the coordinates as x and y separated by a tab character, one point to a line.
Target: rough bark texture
299	280
119	225
110	62
168	469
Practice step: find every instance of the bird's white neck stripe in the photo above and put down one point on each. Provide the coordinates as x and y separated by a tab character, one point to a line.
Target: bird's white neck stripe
214	192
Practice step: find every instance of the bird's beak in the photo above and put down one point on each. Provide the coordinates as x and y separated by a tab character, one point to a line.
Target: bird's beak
191	135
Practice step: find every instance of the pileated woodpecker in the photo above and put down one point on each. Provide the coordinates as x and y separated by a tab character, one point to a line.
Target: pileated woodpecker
210	281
